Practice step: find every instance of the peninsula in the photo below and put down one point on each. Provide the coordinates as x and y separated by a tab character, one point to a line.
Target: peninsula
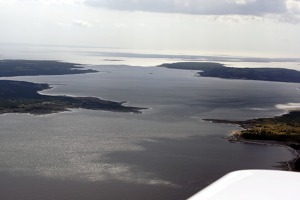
280	130
9	68
283	130
23	97
217	70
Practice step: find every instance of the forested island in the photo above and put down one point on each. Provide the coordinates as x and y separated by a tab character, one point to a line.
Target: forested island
23	97
217	70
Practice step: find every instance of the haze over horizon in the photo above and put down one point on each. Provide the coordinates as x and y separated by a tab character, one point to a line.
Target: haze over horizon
226	27
108	99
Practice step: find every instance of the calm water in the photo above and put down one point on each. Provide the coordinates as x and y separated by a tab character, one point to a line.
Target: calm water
167	152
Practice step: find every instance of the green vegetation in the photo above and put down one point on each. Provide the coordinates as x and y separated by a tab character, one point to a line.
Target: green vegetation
209	69
285	128
23	97
282	128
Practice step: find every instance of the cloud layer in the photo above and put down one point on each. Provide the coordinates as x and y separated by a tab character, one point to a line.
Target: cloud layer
280	10
199	7
283	10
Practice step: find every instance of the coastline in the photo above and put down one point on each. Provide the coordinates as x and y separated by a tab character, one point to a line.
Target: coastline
219	70
25	97
263	131
292	165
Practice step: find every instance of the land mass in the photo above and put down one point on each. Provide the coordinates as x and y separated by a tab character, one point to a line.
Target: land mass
280	130
284	130
9	68
217	70
23	97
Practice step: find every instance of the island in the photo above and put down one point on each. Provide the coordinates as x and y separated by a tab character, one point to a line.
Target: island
279	130
23	97
9	68
218	70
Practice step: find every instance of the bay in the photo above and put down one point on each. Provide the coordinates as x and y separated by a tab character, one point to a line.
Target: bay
167	152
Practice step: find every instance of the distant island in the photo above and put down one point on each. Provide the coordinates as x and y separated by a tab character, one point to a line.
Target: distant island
23	97
217	70
9	68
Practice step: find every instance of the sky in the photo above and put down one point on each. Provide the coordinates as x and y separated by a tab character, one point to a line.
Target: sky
268	28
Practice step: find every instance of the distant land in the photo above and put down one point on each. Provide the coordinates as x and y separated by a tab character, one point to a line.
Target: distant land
23	97
280	130
217	70
10	68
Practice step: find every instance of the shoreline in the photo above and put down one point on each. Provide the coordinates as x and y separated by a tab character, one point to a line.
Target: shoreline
292	165
266	131
219	70
23	97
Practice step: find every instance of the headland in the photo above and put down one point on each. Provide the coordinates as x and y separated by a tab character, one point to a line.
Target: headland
279	130
218	70
23	97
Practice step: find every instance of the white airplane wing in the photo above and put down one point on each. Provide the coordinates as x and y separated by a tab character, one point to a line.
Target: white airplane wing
253	185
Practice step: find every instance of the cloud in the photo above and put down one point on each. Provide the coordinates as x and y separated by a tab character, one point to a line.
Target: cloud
44	2
278	10
81	23
57	2
293	6
196	7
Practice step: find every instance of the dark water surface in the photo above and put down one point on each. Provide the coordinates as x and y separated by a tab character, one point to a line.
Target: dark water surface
167	152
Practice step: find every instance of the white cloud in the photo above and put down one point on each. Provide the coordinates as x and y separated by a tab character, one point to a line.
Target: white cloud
214	29
293	6
62	2
243	2
58	2
44	2
81	23
292	14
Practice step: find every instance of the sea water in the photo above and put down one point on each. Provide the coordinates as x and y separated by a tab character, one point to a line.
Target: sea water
167	152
